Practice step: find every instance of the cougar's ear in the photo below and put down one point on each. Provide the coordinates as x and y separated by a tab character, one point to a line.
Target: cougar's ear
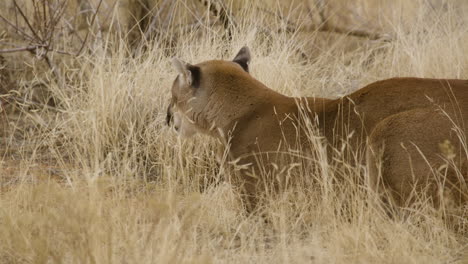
190	73
243	58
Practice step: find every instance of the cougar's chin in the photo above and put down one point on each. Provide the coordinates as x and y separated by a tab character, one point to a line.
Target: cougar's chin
183	127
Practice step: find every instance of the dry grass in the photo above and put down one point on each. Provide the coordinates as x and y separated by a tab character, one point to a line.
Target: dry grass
101	179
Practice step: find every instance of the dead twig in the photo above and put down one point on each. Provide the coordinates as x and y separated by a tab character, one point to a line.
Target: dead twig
18	48
18	29
15	100
26	20
91	24
30	48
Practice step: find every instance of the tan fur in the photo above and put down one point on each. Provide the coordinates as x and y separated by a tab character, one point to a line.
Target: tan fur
410	127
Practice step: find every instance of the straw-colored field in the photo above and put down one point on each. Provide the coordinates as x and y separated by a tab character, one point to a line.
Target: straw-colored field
97	177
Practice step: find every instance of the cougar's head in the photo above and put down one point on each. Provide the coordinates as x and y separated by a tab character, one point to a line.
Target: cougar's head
192	103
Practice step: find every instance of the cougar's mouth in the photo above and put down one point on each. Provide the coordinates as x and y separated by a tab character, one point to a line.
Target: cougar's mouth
169	116
171	119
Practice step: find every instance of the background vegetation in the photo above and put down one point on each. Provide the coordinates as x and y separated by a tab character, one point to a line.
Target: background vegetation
91	174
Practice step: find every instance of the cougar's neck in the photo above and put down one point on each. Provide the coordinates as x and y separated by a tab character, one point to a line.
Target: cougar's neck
240	99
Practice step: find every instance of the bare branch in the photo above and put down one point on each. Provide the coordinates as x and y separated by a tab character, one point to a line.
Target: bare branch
30	48
55	71
24	34
91	24
27	21
52	25
11	99
72	30
45	14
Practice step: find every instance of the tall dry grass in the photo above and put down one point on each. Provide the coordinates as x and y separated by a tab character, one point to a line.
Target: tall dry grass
101	179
